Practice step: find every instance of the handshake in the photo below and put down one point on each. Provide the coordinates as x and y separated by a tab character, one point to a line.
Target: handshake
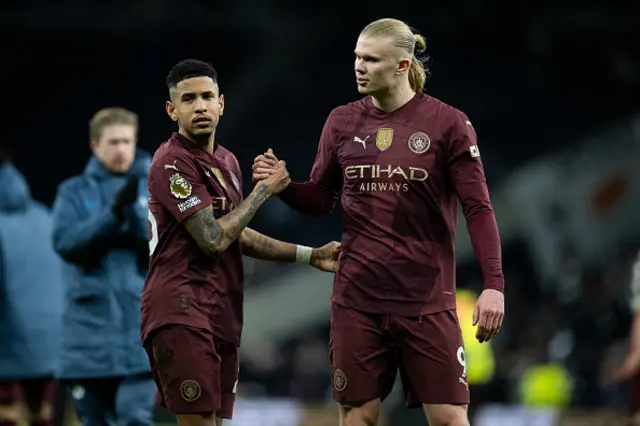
269	171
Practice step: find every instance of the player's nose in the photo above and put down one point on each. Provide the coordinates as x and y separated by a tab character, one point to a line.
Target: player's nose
201	106
120	154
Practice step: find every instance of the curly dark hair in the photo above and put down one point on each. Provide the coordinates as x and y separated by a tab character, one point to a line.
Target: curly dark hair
190	68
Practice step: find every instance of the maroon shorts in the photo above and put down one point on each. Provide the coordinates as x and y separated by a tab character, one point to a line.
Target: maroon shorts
33	392
367	350
195	371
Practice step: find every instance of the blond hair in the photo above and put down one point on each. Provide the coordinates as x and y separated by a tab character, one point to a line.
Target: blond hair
109	116
403	36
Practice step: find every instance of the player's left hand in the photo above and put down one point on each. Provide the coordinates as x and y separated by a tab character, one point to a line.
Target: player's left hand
488	314
326	258
264	165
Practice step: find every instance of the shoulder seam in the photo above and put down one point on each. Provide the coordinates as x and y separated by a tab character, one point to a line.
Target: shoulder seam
171	153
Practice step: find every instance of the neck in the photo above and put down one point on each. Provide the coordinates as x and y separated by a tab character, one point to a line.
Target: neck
207	143
393	98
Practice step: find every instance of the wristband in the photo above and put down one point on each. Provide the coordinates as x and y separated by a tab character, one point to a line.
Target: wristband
303	254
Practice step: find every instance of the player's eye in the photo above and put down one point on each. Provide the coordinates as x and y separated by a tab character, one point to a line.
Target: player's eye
366	58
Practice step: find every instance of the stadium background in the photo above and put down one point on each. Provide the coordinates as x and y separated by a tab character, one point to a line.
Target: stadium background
551	87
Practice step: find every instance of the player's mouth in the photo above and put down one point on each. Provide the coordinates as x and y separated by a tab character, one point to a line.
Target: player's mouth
362	81
201	120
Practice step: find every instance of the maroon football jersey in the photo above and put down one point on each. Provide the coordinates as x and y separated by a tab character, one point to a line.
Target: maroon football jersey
401	175
184	285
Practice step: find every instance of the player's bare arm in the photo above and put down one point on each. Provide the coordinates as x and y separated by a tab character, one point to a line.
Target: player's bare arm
259	246
213	235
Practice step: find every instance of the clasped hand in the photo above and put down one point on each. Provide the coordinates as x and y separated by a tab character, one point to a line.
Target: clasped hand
265	165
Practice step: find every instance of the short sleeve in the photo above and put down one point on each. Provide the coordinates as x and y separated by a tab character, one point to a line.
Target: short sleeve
175	183
464	158
326	170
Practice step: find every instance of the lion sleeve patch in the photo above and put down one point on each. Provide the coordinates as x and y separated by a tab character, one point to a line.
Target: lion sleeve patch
179	186
176	183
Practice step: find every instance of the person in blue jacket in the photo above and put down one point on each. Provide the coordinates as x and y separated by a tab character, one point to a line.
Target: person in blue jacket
30	303
100	230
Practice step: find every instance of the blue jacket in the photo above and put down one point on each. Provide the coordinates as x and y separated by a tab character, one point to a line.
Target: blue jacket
30	285
106	261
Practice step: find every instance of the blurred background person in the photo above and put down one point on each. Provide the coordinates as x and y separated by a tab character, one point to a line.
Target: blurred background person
30	303
100	230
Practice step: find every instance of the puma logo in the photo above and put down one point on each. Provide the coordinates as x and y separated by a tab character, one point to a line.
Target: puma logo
171	166
358	140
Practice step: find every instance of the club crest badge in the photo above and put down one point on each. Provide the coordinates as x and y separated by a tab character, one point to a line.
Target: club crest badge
190	390
384	139
180	187
218	174
339	380
419	142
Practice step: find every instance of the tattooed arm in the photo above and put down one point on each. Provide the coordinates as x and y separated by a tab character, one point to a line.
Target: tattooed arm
213	235
259	246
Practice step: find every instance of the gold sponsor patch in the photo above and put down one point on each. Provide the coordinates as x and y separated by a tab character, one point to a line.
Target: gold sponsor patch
218	174
384	139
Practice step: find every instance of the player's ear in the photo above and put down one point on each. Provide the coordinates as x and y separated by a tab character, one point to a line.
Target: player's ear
171	111
221	100
93	144
403	66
